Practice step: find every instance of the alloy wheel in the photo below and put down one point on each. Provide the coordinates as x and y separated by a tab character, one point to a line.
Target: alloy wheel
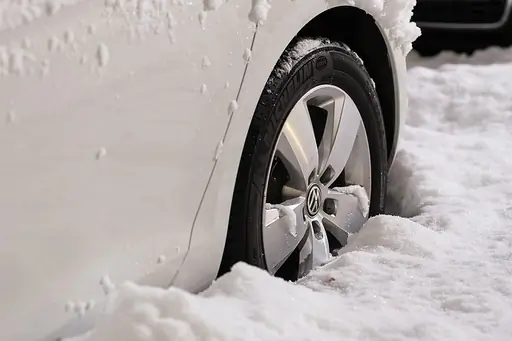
319	183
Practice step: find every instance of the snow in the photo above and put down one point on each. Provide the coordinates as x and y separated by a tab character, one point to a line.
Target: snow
233	107
301	48
393	16
103	55
211	5
205	62
203	89
144	16
70	306
273	212
493	55
441	273
27	43
202	19
247	55
358	192
11	116
259	11
101	153
218	150
79	308
14	13
69	36
83	59
53	44
45	67
12	61
107	285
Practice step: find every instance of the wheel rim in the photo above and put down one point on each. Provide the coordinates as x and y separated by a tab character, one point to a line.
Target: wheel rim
309	210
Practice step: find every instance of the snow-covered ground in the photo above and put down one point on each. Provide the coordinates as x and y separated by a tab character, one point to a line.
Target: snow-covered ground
442	273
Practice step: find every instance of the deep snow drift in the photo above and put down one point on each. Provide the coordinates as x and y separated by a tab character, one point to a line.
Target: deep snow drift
443	274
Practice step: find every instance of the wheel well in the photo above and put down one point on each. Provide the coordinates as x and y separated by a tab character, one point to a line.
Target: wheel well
359	31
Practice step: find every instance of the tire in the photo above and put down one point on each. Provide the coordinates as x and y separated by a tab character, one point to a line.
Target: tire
329	64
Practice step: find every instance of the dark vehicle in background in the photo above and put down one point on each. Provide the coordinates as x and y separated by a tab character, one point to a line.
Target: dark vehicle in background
462	25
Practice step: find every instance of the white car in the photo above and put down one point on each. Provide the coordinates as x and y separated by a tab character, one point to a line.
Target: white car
162	141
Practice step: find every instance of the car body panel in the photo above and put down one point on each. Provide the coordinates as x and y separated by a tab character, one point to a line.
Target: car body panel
96	171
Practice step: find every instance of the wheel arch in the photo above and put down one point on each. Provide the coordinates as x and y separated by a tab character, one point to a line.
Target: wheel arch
310	17
350	24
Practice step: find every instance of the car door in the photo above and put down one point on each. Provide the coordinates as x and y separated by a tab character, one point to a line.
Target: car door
112	116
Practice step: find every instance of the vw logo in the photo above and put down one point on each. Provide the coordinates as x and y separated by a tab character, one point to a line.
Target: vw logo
313	200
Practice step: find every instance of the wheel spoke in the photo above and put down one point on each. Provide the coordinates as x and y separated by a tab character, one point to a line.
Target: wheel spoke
297	146
306	253
333	106
343	214
284	229
343	123
358	169
321	254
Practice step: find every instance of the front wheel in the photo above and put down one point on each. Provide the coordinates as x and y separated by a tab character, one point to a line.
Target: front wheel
314	164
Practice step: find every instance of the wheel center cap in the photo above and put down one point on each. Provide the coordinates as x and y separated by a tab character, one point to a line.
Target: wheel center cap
313	200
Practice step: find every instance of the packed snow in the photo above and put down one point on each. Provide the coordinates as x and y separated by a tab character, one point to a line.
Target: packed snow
205	62
360	194
232	107
441	273
203	89
103	55
299	50
273	212
247	55
259	10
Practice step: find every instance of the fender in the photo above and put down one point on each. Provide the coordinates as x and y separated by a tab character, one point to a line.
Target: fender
201	263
